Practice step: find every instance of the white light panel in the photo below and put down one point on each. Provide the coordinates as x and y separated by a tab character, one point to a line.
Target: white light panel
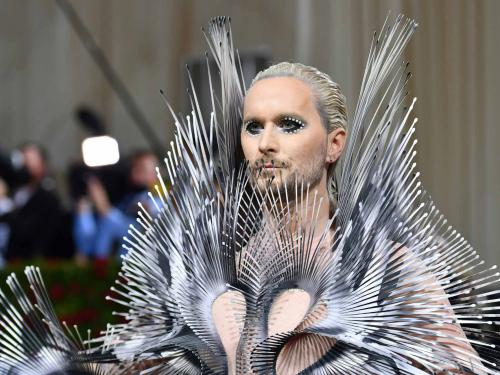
99	151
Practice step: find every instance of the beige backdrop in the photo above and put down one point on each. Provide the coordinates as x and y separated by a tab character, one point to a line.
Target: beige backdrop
45	72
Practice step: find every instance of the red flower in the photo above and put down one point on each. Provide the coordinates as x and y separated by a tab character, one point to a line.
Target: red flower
81	317
56	292
101	266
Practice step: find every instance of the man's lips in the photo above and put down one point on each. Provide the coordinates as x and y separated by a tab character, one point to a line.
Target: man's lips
267	168
270	165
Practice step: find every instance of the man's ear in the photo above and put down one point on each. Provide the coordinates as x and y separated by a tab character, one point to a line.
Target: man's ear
336	141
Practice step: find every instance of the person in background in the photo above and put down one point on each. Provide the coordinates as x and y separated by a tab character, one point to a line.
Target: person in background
99	225
6	205
34	215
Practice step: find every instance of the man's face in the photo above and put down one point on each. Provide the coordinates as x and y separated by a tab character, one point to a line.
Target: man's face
282	134
143	171
34	162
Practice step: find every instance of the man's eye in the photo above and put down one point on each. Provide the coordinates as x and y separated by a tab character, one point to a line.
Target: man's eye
291	125
253	127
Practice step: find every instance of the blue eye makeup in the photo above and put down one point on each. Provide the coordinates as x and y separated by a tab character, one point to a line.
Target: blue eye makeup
286	124
291	125
253	127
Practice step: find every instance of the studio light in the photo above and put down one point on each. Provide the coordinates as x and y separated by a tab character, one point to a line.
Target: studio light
99	151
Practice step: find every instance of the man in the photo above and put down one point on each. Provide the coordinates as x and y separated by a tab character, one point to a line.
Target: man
95	236
35	218
288	135
294	129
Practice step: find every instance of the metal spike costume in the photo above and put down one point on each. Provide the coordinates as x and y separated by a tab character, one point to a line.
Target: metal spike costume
371	300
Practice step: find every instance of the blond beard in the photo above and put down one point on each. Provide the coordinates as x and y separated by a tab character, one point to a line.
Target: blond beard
294	182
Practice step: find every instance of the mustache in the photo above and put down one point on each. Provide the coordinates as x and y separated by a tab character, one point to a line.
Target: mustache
266	163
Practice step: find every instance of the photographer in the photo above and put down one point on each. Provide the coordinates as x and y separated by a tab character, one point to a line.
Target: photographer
6	205
98	224
34	218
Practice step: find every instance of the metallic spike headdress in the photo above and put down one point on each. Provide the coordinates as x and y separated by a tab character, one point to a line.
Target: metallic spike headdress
386	287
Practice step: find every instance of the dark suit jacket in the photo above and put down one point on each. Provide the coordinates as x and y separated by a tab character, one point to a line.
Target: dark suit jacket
35	226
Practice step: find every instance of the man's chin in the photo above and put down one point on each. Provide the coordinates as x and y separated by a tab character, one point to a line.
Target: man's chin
273	183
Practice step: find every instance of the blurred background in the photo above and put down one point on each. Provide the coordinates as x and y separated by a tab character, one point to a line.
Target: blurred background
79	68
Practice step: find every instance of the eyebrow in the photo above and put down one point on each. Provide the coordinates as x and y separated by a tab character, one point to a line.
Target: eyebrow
276	118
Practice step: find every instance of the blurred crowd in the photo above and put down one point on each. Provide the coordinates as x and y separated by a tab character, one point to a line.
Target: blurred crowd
35	222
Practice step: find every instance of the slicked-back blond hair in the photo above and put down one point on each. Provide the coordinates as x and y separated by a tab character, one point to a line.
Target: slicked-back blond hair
330	102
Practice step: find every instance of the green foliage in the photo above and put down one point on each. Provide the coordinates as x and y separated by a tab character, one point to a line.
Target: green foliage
78	292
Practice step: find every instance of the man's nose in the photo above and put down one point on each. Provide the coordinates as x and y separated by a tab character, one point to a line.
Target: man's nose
268	143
